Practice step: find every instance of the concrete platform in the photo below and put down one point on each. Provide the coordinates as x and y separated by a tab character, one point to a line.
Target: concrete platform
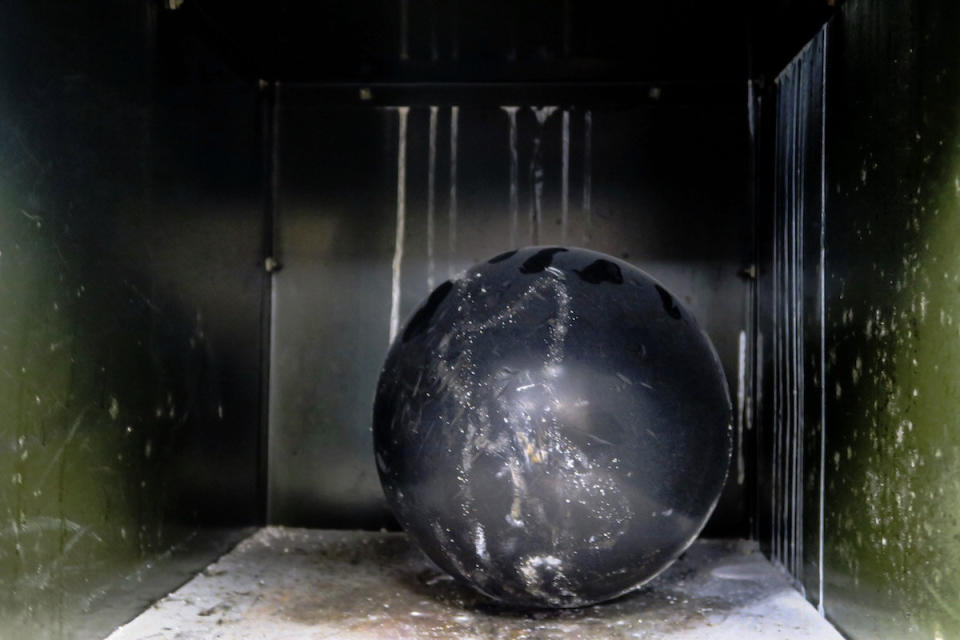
283	583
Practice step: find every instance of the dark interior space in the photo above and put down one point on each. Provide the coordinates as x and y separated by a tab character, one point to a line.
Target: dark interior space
200	223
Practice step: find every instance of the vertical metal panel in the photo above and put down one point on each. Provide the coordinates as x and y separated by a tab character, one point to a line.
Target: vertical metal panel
793	441
130	289
880	346
663	186
892	565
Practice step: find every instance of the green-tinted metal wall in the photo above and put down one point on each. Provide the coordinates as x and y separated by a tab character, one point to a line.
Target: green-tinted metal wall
877	517
130	289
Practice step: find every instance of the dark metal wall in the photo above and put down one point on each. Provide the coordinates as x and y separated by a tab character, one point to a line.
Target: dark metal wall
131	287
375	203
371	41
863	508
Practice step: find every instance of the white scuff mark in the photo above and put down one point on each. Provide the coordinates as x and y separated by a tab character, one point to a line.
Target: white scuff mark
539	572
480	540
143	297
624	378
543	561
40	524
114	409
32	217
532	435
402	113
66	441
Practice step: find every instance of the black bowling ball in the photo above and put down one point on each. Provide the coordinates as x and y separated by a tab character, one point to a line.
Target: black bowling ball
552	428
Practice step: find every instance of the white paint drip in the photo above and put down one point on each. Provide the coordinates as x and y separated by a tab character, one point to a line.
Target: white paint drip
542	114
565	176
587	171
741	396
514	176
536	173
823	323
431	198
402	113
452	212
540	571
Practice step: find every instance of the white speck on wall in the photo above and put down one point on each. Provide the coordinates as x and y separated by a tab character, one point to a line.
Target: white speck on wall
114	409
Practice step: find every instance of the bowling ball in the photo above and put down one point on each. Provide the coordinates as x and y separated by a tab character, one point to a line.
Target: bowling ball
552	427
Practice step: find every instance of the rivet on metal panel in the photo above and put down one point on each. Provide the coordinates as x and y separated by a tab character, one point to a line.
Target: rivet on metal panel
270	264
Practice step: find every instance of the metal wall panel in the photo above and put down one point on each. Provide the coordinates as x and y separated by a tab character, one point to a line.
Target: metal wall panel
791	322
892	558
882	502
130	283
660	184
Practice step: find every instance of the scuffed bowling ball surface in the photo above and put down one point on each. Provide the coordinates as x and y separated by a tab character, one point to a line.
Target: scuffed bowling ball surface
552	428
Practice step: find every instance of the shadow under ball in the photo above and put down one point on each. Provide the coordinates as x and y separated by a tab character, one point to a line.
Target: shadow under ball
552	427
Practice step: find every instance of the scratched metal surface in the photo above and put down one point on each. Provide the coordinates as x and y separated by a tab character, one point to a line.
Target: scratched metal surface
301	583
864	484
130	319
